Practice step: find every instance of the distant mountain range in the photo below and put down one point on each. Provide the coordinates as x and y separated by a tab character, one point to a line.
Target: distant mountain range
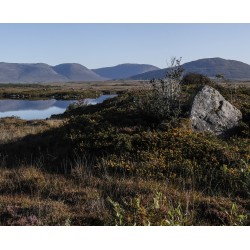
73	72
41	72
123	71
210	67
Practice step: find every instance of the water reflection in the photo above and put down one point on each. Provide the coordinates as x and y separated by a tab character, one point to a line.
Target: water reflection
40	109
17	105
100	99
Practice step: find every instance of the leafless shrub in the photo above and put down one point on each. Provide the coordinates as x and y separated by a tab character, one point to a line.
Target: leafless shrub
162	102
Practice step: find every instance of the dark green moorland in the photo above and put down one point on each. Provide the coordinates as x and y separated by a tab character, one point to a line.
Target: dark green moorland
119	163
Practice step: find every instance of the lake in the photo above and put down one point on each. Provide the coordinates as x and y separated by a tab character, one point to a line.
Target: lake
41	109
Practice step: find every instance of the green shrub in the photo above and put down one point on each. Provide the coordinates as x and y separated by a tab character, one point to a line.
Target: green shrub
163	101
196	79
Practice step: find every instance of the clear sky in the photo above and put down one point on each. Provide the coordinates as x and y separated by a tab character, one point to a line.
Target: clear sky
101	45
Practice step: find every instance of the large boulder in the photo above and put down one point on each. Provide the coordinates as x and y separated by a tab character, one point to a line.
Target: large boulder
211	112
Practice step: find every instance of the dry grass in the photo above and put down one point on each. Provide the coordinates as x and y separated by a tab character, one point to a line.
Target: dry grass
12	129
72	90
29	196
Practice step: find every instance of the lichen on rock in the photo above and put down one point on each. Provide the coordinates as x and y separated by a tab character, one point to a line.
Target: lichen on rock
211	112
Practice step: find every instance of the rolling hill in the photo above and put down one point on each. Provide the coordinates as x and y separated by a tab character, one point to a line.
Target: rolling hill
210	67
123	71
77	72
73	72
22	72
41	72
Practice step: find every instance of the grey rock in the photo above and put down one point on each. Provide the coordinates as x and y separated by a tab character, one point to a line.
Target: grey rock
211	112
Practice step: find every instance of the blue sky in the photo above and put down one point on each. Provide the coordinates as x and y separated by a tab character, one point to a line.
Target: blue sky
100	45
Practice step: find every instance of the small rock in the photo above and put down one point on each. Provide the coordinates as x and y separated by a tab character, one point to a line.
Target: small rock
211	112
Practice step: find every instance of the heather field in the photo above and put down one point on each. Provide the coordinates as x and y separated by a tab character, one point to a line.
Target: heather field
117	163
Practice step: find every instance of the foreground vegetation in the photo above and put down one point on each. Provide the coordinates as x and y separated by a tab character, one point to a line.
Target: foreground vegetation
116	163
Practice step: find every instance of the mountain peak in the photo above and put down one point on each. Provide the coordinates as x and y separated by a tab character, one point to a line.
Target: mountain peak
66	72
210	67
42	72
77	72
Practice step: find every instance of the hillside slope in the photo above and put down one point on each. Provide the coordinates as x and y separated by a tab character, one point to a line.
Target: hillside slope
77	72
41	72
123	71
210	67
24	72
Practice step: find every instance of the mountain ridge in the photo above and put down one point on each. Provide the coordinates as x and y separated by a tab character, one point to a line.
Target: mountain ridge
74	72
231	69
124	70
42	72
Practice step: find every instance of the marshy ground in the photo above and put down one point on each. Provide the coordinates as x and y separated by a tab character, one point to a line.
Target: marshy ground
66	91
110	164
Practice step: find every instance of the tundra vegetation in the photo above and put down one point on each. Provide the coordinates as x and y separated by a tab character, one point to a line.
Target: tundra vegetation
65	91
132	160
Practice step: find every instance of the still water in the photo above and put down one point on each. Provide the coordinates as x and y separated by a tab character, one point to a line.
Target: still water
40	109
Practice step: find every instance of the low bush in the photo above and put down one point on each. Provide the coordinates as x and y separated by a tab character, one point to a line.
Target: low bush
195	79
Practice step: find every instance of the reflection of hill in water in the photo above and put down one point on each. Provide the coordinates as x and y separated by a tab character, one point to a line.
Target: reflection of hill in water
100	99
15	105
22	105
